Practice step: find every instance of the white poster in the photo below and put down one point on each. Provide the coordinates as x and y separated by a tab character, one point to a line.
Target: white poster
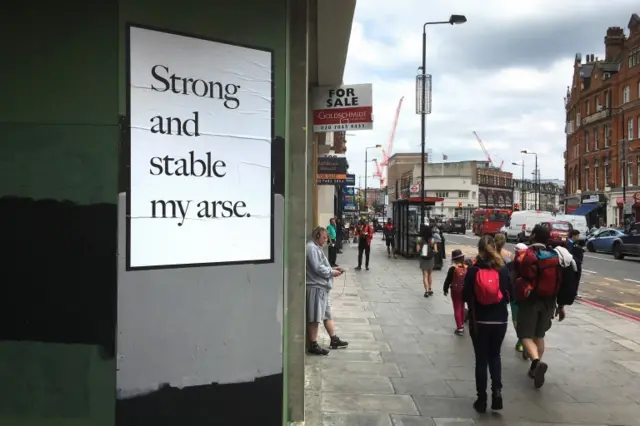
201	131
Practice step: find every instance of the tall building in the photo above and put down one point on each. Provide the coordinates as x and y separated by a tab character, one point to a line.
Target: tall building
602	126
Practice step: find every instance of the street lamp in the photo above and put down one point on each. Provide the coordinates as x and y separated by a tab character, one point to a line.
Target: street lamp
423	105
623	158
366	161
536	182
522	200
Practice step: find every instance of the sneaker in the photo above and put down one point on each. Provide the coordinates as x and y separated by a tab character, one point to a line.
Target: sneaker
496	400
538	374
358	268
459	331
315	349
426	294
480	405
336	343
367	268
519	347
430	293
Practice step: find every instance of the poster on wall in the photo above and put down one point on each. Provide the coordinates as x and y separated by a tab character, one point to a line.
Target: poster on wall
201	127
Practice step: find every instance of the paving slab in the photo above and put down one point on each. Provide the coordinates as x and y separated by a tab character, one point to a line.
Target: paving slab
405	367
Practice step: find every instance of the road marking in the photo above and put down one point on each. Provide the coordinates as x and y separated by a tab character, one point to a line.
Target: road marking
600	258
588	271
600	283
612	280
632	281
599	291
632	306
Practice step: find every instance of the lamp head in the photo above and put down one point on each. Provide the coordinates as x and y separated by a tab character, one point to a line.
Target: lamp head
457	19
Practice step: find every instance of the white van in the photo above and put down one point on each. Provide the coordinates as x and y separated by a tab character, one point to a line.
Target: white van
522	222
577	222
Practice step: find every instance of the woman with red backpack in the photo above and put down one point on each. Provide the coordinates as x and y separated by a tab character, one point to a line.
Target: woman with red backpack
486	292
455	282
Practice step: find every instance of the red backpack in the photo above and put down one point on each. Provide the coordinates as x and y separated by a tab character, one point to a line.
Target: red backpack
459	273
538	271
487	287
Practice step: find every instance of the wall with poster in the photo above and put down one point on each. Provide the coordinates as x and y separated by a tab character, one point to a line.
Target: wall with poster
195	345
201	276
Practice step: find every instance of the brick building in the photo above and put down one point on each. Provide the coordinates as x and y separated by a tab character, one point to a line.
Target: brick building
496	186
603	109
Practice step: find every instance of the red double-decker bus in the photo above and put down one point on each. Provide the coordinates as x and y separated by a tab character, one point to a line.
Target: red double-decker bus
489	221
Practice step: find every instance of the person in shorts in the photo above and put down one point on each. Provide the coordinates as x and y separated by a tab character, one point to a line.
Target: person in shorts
535	312
389	233
319	279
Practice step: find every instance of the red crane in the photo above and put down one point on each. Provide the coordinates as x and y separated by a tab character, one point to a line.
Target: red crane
378	172
486	153
386	152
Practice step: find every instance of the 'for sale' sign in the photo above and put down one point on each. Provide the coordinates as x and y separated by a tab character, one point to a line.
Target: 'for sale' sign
343	108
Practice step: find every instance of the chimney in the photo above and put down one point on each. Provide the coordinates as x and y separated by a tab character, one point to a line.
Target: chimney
614	43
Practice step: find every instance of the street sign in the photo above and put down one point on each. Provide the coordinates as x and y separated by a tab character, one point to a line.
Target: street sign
627	209
636	196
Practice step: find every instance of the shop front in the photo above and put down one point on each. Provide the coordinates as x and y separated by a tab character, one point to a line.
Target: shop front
630	213
593	207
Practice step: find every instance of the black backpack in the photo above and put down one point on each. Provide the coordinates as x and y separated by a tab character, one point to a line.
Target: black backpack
568	286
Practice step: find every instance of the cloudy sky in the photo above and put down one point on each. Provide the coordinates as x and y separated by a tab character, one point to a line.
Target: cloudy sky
503	74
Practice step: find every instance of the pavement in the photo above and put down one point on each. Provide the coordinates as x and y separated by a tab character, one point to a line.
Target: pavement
405	367
606	282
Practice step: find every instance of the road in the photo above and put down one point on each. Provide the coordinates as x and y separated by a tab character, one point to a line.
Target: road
605	281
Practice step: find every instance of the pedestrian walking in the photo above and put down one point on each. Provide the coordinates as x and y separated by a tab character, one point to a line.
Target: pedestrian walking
521	248
454	282
536	288
486	292
578	255
389	234
364	234
426	247
333	242
319	280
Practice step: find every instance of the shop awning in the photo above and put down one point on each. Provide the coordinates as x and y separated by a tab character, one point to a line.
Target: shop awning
585	209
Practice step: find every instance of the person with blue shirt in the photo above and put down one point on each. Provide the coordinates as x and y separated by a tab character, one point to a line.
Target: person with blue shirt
333	247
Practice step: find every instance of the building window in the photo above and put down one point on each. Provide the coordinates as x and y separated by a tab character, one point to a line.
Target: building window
596	171
588	107
607	177
598	105
473	195
606	135
626	94
586	178
596	143
634	57
630	129
441	194
463	194
586	141
638	170
629	174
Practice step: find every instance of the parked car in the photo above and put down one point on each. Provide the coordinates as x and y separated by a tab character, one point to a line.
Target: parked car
602	240
558	231
577	222
627	244
521	223
456	224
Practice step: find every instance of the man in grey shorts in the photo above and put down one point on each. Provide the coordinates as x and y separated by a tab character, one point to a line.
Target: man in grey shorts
320	276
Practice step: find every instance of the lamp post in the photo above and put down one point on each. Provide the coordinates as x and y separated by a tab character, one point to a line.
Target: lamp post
536	183
522	200
366	161
423	105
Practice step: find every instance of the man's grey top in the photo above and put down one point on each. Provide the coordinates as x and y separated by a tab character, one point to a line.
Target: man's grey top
319	271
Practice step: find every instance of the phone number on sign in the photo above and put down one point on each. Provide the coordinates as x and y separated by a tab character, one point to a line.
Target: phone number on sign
349	126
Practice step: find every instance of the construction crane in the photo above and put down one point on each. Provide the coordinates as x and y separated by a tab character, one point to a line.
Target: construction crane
486	153
378	172
387	152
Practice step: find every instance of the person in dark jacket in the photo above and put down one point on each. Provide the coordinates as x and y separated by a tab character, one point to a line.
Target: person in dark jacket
488	324
578	254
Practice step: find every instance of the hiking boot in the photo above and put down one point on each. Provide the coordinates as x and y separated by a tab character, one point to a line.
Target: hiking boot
538	374
315	349
336	343
496	400
459	331
480	405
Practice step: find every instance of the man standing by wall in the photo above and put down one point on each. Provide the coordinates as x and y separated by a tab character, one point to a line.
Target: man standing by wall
333	243
320	276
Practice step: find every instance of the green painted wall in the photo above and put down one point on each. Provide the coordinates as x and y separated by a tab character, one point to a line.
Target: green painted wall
65	70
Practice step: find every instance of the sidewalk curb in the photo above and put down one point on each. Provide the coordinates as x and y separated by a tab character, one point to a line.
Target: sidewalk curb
608	309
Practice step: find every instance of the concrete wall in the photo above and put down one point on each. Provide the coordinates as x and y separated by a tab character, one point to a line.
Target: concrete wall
59	176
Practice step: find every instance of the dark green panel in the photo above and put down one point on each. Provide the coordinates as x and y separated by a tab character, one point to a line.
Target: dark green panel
77	163
55	385
58	61
257	23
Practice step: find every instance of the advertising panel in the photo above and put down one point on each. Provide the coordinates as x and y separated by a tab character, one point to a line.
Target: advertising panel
343	108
